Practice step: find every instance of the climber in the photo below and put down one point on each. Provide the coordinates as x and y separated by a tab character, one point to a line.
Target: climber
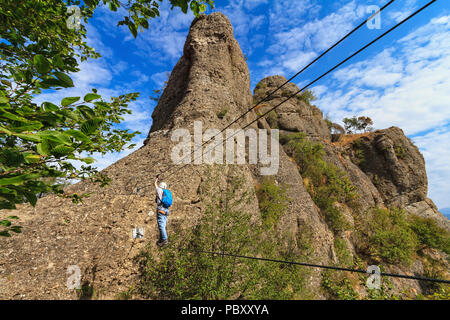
163	202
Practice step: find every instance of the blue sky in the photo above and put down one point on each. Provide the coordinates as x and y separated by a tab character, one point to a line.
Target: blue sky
403	80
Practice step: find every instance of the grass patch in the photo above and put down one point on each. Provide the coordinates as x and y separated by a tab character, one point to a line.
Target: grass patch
221	114
395	238
337	287
343	254
430	234
306	96
358	152
400	152
327	184
388	235
272	119
273	202
223	227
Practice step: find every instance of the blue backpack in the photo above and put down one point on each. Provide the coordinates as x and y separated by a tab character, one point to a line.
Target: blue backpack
167	198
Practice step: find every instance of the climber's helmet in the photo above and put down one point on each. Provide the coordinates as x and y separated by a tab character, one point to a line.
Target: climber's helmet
163	185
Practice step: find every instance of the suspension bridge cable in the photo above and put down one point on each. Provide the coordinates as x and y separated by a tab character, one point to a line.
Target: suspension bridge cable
318	78
394	275
290	79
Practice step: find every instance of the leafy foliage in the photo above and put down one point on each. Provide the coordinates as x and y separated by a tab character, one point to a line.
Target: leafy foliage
306	96
388	236
273	202
8	227
400	152
430	234
223	227
221	114
141	11
40	141
338	288
325	182
395	238
362	124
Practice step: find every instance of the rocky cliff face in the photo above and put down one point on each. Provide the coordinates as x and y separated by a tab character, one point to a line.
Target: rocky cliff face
386	168
211	78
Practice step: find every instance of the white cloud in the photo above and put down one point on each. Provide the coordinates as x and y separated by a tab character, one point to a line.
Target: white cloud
160	78
406	9
288	13
252	4
381	71
119	67
295	60
244	22
297	43
437	155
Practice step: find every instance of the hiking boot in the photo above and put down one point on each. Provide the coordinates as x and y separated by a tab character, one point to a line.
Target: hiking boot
162	243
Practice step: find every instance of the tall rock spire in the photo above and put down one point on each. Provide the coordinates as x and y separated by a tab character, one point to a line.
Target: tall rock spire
211	77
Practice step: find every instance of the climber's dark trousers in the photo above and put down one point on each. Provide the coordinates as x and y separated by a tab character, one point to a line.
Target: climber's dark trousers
162	222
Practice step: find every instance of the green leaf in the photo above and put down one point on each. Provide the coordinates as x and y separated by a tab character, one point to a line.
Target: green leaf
62	150
43	148
31	197
16	229
69	100
41	63
5	223
66	81
18	180
90	126
48	106
57	62
4	130
88	160
29	137
80	136
91	96
4	100
87	112
4	234
30	126
11	116
64	138
55	136
13	217
32	158
133	29
70	114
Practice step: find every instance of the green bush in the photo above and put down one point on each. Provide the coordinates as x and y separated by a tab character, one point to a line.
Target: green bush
389	235
343	254
272	119
307	96
430	234
338	287
400	152
221	114
273	202
328	184
223	227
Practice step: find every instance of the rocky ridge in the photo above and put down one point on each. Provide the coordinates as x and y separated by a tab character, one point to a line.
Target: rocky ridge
210	78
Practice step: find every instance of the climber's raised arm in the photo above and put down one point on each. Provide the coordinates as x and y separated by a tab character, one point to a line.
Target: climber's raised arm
156	181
